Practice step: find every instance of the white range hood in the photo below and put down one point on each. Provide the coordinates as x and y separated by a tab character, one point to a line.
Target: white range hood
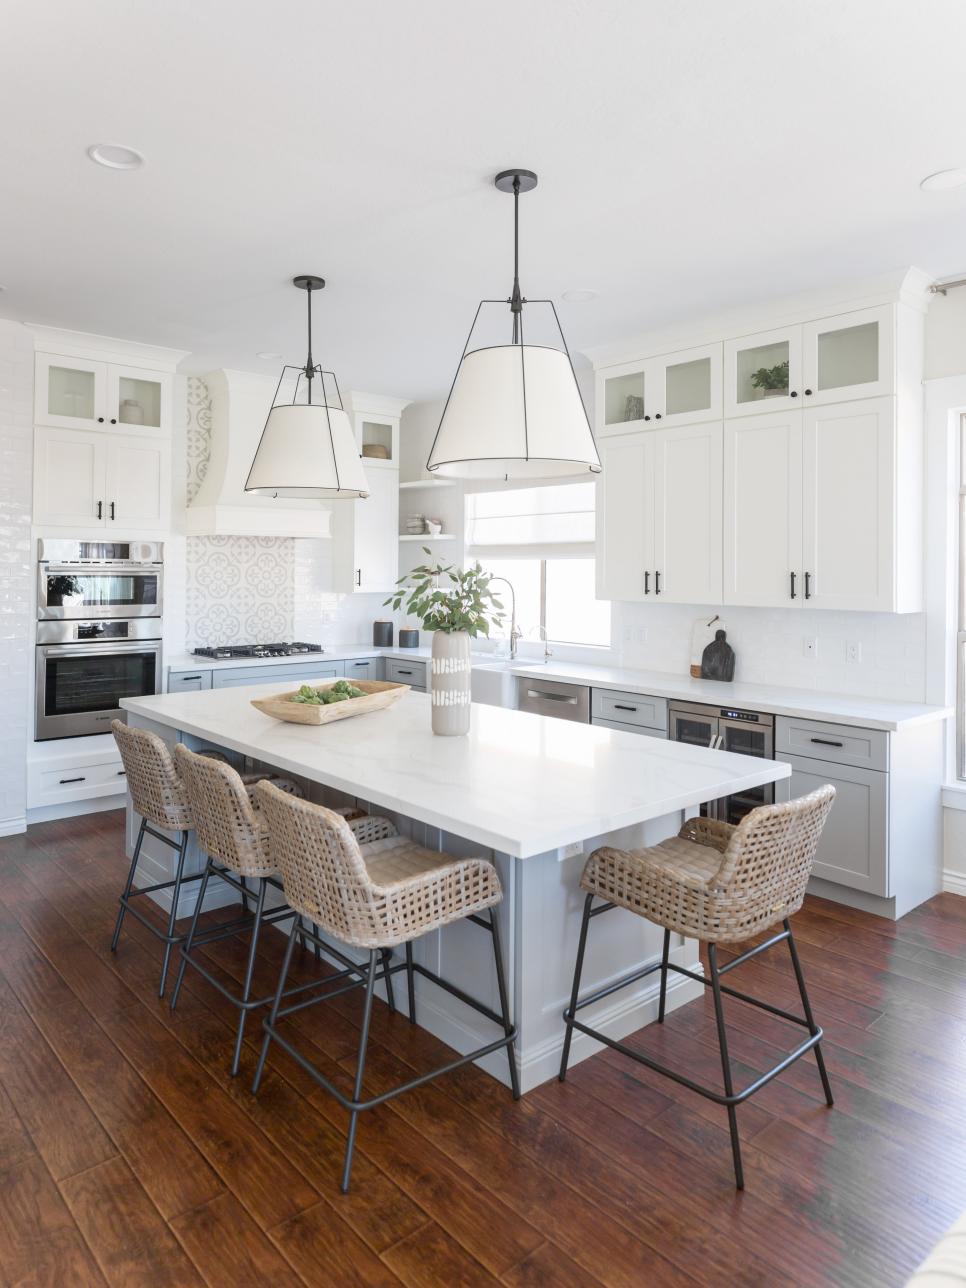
239	405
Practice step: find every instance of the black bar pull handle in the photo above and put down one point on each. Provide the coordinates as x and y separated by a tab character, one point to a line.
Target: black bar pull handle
112	510
122	773
808	585
186	678
100	509
618	707
792	594
399	671
827	742
657	583
647	583
82	779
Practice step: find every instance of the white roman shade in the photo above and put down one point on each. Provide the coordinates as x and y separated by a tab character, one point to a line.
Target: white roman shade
312	444
548	522
514	412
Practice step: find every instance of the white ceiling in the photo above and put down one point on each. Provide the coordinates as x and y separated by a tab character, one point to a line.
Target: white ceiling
692	156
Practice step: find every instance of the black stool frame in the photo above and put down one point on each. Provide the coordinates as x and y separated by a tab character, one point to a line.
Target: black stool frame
168	938
356	1104
731	1098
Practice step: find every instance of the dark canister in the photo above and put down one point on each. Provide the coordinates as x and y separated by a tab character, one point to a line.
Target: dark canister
408	638
382	634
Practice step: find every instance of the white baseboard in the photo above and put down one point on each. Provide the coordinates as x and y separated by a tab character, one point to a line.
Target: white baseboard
13	826
954	882
72	809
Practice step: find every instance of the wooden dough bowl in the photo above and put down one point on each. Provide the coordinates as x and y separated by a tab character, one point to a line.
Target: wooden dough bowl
378	694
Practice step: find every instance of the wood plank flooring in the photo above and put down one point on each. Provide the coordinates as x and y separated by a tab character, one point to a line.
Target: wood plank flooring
128	1156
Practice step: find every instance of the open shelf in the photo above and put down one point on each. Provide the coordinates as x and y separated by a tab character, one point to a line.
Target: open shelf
424	536
415	483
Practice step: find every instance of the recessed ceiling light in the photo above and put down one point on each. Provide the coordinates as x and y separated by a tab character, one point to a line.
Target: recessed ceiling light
115	156
579	297
944	181
269	357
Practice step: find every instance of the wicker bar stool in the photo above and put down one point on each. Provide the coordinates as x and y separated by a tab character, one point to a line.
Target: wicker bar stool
233	834
720	884
158	795
376	896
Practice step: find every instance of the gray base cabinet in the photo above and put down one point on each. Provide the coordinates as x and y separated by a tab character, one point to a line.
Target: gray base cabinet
270	674
188	681
854	848
411	673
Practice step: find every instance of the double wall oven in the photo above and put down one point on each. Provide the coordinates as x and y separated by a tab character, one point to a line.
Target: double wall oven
98	632
749	733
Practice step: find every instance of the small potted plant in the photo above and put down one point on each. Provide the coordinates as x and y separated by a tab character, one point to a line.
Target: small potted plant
772	381
457	605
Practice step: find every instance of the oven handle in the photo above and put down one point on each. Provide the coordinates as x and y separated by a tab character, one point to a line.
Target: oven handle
95	650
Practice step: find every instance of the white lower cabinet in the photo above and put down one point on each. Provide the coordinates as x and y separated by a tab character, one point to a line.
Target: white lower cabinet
854	848
659	524
87	478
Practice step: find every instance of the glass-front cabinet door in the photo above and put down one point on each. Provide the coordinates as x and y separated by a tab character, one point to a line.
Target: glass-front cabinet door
763	372
378	439
69	392
138	398
687	386
622	396
849	356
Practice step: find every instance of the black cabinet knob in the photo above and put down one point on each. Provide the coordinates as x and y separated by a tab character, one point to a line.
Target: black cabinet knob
113	421
100	420
657	415
807	392
647	418
793	394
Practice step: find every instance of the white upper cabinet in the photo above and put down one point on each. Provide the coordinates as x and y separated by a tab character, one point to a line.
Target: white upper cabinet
687	514
850	356
365	536
849	491
89	479
77	393
682	388
659	516
763	510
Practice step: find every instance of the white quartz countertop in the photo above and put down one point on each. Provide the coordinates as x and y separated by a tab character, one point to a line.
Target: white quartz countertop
519	783
836	708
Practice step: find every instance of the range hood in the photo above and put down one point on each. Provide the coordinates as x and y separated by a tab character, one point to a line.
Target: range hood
239	404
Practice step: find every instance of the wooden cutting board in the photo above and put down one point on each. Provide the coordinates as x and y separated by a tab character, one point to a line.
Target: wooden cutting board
378	694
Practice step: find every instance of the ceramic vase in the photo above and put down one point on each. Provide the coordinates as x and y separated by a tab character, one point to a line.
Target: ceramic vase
450	682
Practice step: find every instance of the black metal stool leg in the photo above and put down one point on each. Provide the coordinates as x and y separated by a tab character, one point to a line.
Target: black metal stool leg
725	1065
386	964
578	968
273	1014
317	946
360	1069
504	1003
173	915
664	956
249	971
411	981
810	1019
127	886
186	946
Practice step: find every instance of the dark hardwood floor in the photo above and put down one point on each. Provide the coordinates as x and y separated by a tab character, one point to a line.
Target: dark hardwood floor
129	1156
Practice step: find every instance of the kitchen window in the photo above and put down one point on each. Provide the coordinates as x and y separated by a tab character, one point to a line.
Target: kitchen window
541	539
961	635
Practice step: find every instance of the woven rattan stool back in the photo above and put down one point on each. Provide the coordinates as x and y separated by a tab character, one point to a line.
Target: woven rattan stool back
152	779
226	824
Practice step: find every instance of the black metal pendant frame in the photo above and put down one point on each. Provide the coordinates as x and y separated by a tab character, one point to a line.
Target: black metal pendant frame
356	1103
730	1098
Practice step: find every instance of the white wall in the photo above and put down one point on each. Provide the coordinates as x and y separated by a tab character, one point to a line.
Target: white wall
16	568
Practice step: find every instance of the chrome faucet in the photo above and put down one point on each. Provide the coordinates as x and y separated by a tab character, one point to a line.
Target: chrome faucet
515	633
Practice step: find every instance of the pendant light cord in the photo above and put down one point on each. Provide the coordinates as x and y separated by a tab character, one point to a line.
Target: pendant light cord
516	301
309	365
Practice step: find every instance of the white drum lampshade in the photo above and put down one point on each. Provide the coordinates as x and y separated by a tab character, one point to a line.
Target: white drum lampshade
307	450
514	412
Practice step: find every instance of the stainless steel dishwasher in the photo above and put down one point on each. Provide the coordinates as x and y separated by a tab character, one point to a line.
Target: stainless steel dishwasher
551	698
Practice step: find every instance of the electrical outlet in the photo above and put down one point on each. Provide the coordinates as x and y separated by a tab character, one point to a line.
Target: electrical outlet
810	646
628	634
642	635
853	651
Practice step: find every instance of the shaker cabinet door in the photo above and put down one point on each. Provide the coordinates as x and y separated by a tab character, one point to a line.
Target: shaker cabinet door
69	478
625	518
138	487
686	469
763	510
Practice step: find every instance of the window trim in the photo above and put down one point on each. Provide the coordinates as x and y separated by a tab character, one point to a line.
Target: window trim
961	611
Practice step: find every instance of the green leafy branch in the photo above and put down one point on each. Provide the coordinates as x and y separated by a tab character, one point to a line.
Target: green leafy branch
463	602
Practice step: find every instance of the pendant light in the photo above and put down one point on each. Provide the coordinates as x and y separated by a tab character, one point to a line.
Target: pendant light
308	449
514	410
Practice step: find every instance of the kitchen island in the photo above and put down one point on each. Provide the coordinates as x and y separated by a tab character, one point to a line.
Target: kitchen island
536	795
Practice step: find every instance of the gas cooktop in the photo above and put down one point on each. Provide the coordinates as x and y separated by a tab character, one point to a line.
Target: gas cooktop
222	652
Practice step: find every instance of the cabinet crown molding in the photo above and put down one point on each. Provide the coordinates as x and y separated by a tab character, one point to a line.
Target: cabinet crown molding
82	344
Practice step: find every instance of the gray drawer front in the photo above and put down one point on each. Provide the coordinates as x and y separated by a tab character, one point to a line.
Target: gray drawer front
363	668
853	849
188	681
411	673
841	744
233	675
641	730
629	708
